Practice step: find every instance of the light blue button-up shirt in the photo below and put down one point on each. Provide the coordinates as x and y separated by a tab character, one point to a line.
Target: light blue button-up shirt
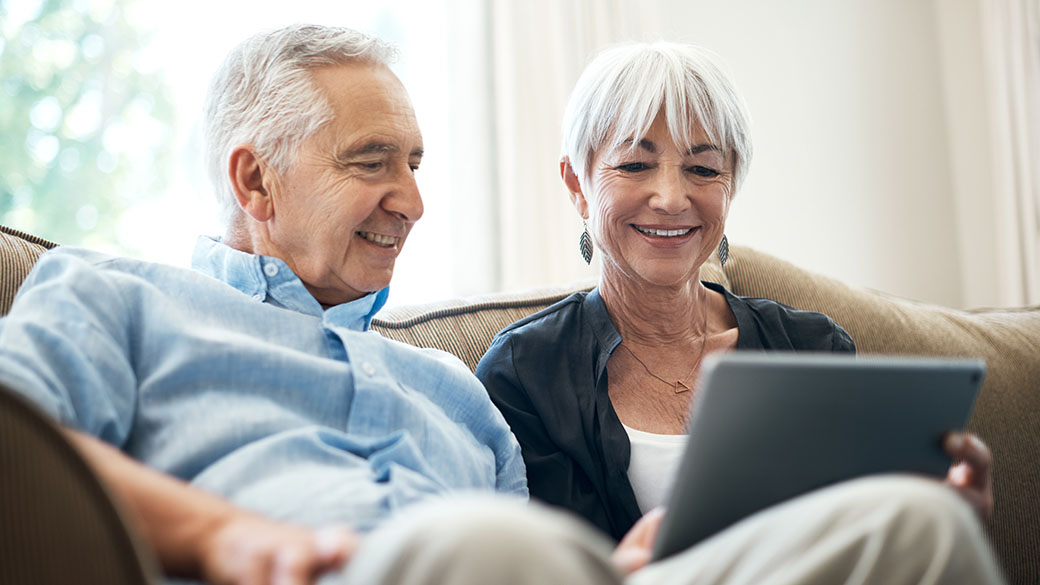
232	377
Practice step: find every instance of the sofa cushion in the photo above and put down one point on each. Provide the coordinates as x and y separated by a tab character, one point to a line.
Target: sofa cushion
465	327
18	252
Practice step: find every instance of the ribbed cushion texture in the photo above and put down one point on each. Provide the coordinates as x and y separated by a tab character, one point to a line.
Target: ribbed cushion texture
59	525
18	253
1007	414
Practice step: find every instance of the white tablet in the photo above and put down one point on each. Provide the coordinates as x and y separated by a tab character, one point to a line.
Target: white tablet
771	426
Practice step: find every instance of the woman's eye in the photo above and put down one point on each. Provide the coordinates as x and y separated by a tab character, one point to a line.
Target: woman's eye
634	167
703	171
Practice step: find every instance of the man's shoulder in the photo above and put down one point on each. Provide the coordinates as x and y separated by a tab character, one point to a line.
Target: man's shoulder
81	271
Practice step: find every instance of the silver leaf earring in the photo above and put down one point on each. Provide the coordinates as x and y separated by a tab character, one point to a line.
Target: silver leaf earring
724	250
585	244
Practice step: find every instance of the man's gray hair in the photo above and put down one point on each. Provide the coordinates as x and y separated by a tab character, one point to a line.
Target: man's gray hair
263	94
622	90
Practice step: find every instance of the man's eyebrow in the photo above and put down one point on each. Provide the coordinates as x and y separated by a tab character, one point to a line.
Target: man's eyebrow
375	147
367	148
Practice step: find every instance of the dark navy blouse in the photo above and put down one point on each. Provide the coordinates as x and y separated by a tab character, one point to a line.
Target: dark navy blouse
547	373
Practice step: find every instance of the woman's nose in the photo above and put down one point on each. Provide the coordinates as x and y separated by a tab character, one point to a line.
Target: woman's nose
671	193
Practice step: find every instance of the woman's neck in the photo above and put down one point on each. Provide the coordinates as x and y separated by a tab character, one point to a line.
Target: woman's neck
651	315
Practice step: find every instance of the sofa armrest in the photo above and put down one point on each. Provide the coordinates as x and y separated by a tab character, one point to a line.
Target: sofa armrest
18	252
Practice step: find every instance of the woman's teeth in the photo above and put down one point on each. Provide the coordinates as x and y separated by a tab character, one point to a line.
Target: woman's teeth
663	233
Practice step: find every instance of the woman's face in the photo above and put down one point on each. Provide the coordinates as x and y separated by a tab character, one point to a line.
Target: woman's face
657	212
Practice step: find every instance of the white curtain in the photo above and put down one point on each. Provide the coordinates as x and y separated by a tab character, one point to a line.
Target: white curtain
1011	39
521	231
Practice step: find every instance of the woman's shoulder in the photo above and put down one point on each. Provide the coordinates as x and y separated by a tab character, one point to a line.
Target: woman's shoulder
768	324
545	339
548	321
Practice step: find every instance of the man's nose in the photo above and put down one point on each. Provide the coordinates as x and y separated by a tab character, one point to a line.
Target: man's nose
404	200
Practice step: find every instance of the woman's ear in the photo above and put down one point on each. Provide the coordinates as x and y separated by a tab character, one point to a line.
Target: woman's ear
574	187
246	171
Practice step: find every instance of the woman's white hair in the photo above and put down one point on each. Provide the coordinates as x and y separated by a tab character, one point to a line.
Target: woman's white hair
623	89
263	94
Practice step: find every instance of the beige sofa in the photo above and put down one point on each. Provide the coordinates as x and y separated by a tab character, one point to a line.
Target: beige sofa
1007	414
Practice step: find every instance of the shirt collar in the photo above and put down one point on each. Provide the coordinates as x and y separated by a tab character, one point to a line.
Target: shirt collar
270	280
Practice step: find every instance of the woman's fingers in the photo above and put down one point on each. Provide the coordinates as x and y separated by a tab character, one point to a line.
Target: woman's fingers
971	472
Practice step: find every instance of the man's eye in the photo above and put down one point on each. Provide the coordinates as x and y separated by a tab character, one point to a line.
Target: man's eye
372	166
633	167
703	171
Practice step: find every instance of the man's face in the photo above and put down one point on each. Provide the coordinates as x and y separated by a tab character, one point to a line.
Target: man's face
343	211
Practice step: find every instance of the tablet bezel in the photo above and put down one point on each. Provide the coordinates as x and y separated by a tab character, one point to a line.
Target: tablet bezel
758	426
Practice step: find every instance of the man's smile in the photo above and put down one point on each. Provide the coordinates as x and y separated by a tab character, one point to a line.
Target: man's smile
380	239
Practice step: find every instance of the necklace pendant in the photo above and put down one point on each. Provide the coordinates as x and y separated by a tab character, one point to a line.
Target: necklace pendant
681	387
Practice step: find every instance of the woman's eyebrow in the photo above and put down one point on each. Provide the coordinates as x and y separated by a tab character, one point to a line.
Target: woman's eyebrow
650	146
703	148
647	145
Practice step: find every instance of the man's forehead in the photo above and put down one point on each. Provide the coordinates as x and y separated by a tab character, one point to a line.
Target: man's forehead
361	85
371	109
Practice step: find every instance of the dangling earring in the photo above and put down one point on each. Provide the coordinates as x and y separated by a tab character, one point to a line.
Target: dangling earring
585	244
723	250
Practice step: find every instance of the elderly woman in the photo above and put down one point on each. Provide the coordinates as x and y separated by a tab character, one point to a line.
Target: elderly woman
597	387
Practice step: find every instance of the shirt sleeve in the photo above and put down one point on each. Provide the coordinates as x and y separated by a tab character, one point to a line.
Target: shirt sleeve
65	347
510	474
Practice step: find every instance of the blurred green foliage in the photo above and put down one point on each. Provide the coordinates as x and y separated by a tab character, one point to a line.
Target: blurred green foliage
85	124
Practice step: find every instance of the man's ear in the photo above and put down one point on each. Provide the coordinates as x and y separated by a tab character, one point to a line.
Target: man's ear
574	187
246	171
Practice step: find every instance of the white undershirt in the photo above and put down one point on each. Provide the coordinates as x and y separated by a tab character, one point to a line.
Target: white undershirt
652	466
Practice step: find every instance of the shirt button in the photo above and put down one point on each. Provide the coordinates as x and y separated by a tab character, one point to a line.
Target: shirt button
270	269
368	369
258	297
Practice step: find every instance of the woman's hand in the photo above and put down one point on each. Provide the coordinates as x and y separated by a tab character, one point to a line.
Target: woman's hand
970	473
634	550
250	550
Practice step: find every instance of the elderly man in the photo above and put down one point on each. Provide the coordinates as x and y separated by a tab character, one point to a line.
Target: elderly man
255	429
240	406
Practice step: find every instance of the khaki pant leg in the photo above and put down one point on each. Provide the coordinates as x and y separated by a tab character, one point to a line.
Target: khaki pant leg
481	540
886	530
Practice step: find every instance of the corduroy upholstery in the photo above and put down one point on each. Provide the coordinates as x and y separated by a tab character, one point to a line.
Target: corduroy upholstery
18	253
1007	415
57	523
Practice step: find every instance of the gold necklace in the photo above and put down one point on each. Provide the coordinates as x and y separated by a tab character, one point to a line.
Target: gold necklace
683	384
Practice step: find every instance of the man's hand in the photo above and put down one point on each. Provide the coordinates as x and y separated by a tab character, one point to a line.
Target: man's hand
197	534
251	550
634	550
970	473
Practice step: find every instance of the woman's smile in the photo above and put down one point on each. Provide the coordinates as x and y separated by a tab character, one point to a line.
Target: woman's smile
666	236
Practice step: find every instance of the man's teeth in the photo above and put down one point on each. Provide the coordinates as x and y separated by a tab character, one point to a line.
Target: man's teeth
663	233
385	241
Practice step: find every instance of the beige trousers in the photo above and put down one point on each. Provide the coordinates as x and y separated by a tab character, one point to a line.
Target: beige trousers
885	530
